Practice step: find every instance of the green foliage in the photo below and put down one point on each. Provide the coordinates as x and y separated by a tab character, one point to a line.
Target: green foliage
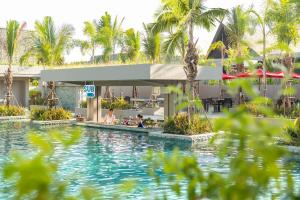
152	44
11	111
175	16
36	97
119	104
237	27
260	107
254	168
131	44
149	123
13	31
293	133
50	114
284	28
292	112
83	104
109	34
50	43
180	125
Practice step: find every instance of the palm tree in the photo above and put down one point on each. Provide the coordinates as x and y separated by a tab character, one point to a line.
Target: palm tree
89	30
283	20
181	16
13	32
50	45
151	44
109	35
237	27
175	42
262	21
131	46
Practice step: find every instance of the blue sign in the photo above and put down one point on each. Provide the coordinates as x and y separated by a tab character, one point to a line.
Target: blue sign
90	90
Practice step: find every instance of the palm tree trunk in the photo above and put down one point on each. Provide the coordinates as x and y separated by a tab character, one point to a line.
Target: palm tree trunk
9	82
190	67
93	54
264	63
288	63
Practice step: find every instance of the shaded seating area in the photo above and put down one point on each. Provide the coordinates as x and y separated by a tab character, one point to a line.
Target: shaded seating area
217	104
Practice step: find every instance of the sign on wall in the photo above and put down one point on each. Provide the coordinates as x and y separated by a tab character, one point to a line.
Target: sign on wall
90	90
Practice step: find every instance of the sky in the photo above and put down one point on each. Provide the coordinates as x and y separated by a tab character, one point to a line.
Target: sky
75	12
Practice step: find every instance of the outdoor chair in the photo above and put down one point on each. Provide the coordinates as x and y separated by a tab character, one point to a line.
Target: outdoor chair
228	103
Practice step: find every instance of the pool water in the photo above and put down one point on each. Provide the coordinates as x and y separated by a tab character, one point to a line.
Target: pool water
105	158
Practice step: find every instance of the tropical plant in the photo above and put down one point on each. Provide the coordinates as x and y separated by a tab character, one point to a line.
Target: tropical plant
11	111
90	45
13	32
131	45
262	22
236	28
152	44
50	114
119	104
109	35
180	16
50	43
283	20
180	125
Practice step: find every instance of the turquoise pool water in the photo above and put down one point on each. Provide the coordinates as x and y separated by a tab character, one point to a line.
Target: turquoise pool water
105	158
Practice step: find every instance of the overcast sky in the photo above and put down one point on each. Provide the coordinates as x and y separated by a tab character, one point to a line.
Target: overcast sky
75	12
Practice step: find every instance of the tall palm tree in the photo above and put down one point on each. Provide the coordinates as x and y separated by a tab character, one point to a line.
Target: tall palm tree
13	32
109	37
152	44
237	27
262	22
89	45
284	23
131	47
50	45
181	16
110	33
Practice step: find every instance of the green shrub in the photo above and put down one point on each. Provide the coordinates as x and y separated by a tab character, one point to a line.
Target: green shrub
119	104
292	132
11	111
83	104
36	97
50	114
293	112
34	93
180	125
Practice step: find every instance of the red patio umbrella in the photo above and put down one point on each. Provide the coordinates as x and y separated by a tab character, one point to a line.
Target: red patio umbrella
244	75
228	77
296	76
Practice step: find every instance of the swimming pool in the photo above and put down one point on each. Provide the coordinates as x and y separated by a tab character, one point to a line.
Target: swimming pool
105	158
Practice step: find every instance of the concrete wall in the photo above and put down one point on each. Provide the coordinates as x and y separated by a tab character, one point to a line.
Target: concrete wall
20	91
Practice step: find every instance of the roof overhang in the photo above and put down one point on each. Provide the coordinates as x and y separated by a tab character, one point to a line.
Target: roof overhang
128	75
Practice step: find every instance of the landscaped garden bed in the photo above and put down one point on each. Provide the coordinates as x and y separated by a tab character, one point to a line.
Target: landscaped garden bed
51	116
9	113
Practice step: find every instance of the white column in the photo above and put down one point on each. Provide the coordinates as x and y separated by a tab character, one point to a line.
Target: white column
94	106
169	105
26	94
